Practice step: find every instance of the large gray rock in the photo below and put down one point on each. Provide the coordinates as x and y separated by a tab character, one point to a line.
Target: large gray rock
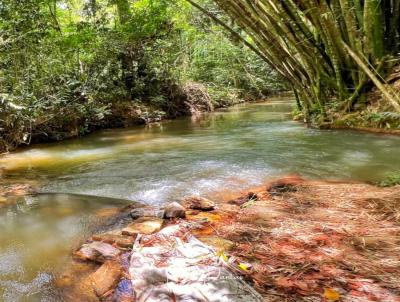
174	210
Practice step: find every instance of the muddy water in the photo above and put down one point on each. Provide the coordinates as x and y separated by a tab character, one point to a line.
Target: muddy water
37	234
232	149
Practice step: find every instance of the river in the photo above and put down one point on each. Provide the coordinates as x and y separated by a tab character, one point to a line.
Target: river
230	149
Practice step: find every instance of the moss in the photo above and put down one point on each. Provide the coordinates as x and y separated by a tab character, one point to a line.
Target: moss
367	119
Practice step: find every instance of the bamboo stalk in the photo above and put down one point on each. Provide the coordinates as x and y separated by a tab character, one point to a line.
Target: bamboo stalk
392	98
303	41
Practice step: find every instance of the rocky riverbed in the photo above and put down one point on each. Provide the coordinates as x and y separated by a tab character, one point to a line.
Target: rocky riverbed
155	257
290	240
10	191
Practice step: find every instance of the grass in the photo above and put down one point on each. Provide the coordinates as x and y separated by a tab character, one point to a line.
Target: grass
390	180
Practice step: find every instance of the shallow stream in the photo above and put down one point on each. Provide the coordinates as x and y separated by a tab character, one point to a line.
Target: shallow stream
231	149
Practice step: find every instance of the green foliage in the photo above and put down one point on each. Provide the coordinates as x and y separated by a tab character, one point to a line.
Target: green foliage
383	117
329	51
391	179
203	52
68	66
232	67
370	119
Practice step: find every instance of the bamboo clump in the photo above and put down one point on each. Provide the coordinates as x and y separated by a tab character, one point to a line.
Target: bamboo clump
331	52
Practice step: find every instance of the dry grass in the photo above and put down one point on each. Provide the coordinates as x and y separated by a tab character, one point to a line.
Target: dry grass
319	236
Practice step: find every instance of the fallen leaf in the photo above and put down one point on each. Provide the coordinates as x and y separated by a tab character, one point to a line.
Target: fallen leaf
244	267
331	294
223	256
284	282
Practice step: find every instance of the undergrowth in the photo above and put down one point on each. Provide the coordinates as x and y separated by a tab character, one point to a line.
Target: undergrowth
390	180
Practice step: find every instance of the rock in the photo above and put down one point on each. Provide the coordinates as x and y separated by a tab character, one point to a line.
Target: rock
144	225
106	277
82	291
147	212
74	283
120	240
97	251
199	203
174	210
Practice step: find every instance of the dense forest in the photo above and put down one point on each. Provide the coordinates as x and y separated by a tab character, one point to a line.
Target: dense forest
69	67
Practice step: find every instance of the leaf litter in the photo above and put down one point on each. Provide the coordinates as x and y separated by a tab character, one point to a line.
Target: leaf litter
300	240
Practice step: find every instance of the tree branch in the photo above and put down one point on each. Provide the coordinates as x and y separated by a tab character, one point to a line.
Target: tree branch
231	30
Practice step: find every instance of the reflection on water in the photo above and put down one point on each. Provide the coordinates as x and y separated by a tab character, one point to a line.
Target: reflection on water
233	149
37	235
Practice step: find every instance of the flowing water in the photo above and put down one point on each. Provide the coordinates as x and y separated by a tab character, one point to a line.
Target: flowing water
232	149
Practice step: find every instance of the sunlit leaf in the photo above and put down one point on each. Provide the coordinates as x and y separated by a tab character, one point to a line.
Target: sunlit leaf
223	256
331	294
244	267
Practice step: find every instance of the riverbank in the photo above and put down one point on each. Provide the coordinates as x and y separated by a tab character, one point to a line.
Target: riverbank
192	101
291	239
64	123
371	113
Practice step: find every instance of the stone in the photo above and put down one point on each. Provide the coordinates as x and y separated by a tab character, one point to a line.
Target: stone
97	251
74	284
199	203
120	240
174	210
144	225
147	212
82	291
106	277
